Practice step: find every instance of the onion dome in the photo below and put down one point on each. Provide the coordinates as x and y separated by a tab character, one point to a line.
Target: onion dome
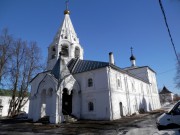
66	12
132	57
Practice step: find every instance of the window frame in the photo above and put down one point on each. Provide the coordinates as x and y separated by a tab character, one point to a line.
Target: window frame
77	52
119	82
65	50
90	106
90	82
53	52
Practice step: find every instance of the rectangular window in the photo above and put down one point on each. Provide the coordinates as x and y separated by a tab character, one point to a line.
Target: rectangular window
90	82
90	106
119	83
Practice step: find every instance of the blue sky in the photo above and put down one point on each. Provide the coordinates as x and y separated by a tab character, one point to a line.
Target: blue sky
103	26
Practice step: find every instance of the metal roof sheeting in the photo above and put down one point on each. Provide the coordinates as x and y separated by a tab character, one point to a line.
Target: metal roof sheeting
79	66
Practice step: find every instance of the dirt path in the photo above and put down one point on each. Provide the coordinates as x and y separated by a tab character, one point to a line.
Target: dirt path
144	123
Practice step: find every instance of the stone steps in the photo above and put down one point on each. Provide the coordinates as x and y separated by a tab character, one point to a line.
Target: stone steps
69	119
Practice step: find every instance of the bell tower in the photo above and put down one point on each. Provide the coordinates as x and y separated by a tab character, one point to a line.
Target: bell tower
65	41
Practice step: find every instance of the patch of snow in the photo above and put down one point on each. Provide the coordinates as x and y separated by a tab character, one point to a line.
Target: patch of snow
165	104
152	131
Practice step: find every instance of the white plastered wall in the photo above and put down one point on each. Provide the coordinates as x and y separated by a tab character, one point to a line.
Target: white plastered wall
98	94
134	95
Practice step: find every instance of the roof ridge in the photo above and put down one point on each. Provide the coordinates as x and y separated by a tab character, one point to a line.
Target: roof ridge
95	61
128	73
137	67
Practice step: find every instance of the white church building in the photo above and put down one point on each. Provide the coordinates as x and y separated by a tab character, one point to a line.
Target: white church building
88	89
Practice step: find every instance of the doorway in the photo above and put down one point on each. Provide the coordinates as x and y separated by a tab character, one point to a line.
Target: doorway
121	109
43	103
66	102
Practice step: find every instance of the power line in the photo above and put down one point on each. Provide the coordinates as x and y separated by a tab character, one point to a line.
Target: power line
164	72
162	9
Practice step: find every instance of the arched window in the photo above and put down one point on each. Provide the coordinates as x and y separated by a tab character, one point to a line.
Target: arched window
65	51
50	91
53	49
53	56
53	52
90	106
133	88
90	82
119	82
77	52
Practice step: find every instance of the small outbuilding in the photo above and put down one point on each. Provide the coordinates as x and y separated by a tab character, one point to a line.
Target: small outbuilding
166	96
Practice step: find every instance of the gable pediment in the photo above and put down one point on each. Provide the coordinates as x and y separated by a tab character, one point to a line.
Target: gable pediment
48	82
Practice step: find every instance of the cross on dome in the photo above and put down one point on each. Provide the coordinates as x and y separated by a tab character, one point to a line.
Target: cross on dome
131	50
132	56
67	11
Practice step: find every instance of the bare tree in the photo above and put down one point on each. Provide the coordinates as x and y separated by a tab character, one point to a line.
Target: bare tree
17	61
31	65
6	41
177	78
25	64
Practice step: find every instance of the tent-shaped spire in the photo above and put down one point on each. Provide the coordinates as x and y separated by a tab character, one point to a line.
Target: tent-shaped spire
66	30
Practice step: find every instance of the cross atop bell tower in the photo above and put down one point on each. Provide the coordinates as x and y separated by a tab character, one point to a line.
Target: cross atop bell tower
67	11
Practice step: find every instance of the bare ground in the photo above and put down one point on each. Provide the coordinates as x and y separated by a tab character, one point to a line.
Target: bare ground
82	127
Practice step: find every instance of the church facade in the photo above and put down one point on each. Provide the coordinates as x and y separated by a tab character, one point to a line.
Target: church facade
88	89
